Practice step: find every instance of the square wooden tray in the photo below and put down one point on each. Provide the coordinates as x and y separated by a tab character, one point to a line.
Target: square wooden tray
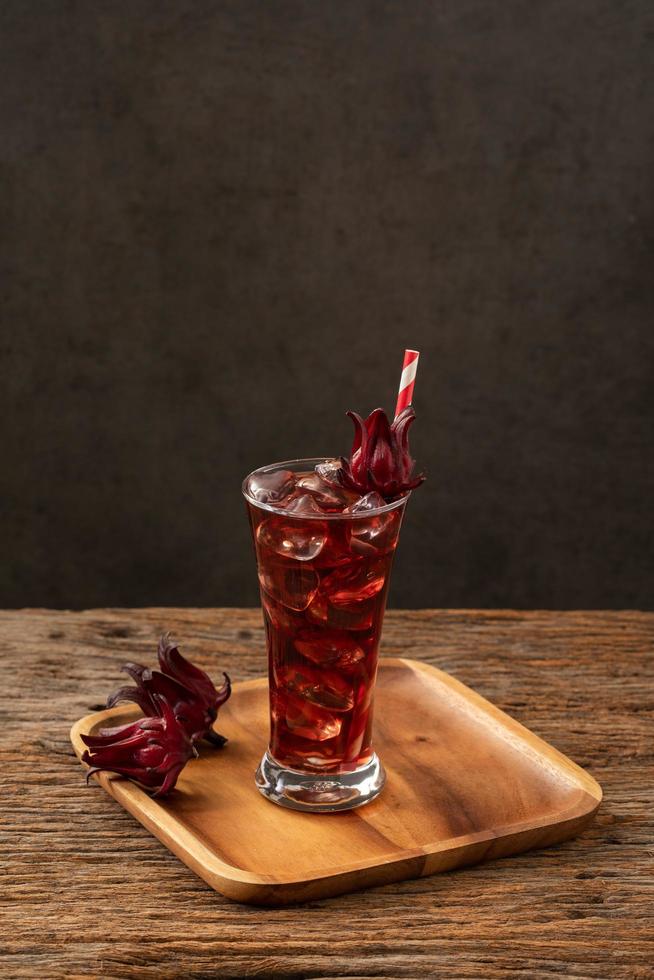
465	783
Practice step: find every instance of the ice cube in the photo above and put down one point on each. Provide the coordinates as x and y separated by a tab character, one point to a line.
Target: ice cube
304	718
292	585
330	648
271	488
359	722
326	755
301	542
362	548
279	617
325	688
303	505
357	617
354	583
327	496
336	550
371	501
329	470
377	533
329	761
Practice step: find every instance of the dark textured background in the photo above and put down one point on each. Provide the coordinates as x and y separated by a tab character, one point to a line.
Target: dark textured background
221	224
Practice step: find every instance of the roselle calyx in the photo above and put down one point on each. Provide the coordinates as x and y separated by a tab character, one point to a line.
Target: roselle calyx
189	691
380	459
151	751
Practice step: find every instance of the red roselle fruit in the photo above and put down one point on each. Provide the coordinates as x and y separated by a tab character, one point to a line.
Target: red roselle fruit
196	680
152	751
188	690
380	459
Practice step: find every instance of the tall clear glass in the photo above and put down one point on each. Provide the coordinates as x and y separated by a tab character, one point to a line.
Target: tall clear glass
324	578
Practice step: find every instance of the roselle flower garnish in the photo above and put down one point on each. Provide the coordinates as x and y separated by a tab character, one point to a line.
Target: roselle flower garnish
152	751
189	691
380	459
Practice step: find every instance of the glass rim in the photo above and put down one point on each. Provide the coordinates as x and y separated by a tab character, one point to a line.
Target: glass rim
312	461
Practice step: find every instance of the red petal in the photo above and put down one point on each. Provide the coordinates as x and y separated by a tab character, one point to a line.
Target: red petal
380	459
173	663
360	433
169	782
377	425
122	734
136	694
223	693
359	447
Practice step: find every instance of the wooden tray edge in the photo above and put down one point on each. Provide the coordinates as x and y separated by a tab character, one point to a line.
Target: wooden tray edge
252	888
501	718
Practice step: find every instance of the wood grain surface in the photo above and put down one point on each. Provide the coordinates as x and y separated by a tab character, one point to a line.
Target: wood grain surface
88	892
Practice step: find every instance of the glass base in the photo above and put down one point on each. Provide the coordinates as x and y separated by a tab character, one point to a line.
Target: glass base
316	793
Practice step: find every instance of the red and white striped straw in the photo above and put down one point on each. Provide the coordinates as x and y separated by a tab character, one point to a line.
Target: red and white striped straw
407	381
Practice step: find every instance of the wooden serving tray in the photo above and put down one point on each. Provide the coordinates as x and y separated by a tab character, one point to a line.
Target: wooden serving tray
465	783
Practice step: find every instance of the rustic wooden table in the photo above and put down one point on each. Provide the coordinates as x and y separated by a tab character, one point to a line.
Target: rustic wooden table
88	892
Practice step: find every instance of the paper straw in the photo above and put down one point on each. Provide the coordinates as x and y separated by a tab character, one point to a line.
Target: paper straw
407	381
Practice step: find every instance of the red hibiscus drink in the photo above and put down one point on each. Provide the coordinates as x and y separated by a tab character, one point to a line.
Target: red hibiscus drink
325	533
